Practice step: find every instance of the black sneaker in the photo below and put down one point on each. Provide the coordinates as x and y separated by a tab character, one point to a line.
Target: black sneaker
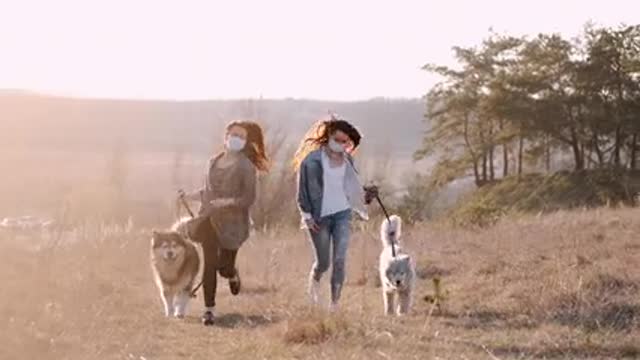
235	284
207	318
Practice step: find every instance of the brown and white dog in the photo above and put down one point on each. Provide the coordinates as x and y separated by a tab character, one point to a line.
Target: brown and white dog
175	264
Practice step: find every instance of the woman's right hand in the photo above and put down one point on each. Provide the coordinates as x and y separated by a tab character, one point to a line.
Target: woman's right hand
370	193
312	225
181	194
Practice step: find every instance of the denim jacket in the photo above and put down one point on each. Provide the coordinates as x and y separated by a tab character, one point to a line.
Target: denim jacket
310	186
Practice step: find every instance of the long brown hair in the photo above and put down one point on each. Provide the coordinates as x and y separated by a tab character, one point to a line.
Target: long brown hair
254	148
318	136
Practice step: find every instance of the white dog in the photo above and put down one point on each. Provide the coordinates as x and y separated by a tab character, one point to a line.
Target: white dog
175	263
397	273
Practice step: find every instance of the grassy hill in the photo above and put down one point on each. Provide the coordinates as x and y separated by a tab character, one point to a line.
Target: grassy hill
545	193
559	286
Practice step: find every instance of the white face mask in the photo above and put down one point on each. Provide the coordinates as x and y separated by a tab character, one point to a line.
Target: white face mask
335	146
235	143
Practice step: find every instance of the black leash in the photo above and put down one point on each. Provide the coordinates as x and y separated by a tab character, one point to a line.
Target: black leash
186	206
391	234
195	290
184	203
384	210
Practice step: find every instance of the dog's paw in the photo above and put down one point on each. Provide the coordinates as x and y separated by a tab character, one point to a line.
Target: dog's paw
179	312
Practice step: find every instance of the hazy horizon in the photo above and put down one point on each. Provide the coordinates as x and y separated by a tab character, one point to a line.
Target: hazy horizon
195	50
28	92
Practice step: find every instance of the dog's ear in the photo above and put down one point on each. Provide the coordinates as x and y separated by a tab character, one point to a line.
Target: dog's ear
154	237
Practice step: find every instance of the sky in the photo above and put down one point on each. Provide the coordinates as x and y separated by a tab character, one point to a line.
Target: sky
331	49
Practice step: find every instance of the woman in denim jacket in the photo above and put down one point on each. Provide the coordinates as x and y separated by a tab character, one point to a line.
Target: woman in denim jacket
328	192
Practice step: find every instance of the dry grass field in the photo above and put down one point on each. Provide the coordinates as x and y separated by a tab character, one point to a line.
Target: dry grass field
563	285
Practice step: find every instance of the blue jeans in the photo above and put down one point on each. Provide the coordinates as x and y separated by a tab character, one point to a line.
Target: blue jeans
334	234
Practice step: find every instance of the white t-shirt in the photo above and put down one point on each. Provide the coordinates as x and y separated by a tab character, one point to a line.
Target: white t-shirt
334	198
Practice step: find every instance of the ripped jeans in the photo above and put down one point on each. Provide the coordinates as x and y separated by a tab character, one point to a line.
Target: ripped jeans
330	243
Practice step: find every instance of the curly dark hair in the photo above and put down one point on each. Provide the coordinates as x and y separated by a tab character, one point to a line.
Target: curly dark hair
319	134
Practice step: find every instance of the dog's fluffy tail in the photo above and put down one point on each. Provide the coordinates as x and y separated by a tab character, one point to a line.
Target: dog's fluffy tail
180	226
390	230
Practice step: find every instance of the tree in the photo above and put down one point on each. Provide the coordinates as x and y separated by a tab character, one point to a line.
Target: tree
609	81
544	97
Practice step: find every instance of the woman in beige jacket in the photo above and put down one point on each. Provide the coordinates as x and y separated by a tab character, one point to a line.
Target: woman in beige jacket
223	220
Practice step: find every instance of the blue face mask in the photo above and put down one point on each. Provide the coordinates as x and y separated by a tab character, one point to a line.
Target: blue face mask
235	143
